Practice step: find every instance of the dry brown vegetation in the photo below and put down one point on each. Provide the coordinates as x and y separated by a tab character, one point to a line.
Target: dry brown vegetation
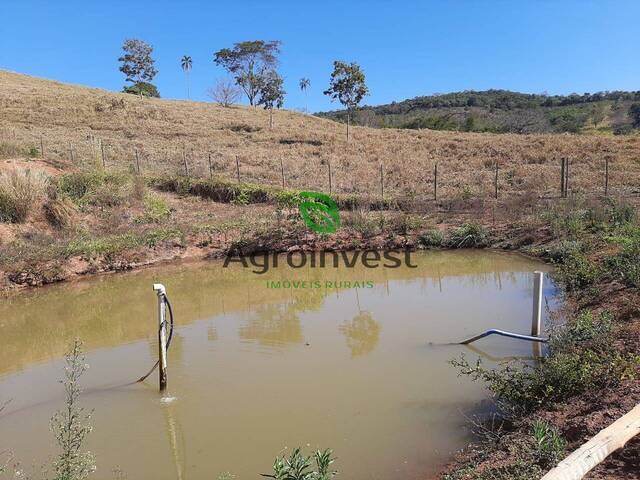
81	120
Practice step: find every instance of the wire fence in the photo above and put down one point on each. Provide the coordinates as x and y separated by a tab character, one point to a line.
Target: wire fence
423	179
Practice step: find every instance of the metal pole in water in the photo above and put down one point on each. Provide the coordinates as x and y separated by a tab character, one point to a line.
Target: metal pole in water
162	335
536	320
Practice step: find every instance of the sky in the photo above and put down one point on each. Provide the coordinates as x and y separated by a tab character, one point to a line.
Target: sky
406	48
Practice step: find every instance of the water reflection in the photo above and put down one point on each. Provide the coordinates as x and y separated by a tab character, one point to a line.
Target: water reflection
273	326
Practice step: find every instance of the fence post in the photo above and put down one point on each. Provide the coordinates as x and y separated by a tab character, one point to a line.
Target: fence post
566	181
282	172
562	177
381	182
210	167
41	147
137	162
238	168
606	176
435	182
71	156
104	159
496	181
329	165
184	160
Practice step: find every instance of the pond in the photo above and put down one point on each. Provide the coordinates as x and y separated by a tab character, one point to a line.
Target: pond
256	370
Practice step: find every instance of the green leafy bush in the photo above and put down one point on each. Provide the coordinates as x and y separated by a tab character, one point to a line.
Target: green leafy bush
468	235
431	239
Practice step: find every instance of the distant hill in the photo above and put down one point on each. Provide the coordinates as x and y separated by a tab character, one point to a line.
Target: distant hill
503	111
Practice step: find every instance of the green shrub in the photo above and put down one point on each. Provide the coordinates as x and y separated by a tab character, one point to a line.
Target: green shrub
468	235
581	358
431	239
95	187
577	271
19	191
625	265
143	89
156	210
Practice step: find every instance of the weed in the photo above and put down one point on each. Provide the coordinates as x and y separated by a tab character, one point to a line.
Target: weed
468	235
549	446
70	425
625	265
298	466
431	239
156	210
577	271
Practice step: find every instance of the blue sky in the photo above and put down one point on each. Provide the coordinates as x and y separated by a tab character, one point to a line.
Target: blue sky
406	48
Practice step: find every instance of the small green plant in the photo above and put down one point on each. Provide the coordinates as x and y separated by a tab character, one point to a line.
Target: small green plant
299	467
156	210
71	424
549	446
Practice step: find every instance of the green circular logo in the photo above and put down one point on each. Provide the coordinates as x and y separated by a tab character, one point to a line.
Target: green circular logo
319	211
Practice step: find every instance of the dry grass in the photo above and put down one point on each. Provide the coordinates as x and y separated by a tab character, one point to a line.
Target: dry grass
80	120
20	190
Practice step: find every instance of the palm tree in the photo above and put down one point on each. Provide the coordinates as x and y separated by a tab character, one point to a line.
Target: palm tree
186	66
304	84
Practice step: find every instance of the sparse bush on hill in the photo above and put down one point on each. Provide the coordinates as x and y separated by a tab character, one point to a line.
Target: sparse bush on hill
143	89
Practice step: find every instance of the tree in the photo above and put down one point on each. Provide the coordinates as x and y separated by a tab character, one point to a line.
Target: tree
225	92
305	83
186	64
249	63
137	63
634	113
347	86
143	89
271	94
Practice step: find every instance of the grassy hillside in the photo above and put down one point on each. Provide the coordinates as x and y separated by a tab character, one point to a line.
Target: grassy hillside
165	133
502	111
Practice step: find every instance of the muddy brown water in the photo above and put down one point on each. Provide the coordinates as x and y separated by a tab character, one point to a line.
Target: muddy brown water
255	371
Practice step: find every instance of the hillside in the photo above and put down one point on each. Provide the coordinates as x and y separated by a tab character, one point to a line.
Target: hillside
75	123
503	111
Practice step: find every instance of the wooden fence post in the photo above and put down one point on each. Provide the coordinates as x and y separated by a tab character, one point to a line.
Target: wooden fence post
282	172
238	168
606	176
210	167
496	181
104	159
566	179
329	165
184	160
435	182
381	181
562	177
71	156
41	147
137	162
